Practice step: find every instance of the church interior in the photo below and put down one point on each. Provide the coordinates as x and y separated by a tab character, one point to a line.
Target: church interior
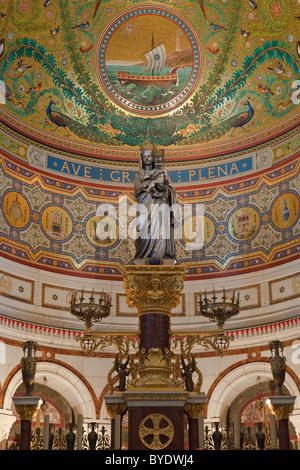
181	341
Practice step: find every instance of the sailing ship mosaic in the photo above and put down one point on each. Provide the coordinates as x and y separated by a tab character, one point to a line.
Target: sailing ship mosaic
153	80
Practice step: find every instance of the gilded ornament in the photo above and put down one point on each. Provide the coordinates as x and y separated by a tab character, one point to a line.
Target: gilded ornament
156	425
282	410
114	409
154	371
155	395
194	409
153	289
26	412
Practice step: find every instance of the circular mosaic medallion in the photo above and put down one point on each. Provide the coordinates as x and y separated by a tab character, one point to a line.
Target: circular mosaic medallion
243	223
285	211
149	60
57	223
199	232
102	231
16	209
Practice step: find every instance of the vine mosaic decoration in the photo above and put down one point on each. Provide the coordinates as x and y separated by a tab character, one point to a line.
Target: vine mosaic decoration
235	64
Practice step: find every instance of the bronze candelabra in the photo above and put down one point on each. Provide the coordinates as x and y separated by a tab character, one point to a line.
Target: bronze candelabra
90	312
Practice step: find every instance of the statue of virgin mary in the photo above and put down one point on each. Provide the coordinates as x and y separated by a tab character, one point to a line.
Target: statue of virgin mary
156	200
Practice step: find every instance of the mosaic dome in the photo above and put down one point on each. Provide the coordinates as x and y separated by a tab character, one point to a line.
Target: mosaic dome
84	84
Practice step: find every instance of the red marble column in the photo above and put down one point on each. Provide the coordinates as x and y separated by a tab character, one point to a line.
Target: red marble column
155	401
25	435
194	406
154	331
26	406
283	434
283	406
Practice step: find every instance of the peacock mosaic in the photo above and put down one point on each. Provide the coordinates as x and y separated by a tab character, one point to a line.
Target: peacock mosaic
109	74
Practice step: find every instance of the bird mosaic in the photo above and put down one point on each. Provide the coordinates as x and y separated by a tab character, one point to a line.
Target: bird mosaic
247	52
55	31
243	118
217	27
22	67
81	26
277	68
55	117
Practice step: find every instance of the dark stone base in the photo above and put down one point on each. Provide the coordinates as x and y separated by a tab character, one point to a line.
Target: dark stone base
169	420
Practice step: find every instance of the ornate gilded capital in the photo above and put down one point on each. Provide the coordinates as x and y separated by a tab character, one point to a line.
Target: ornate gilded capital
153	289
282	410
114	409
26	412
194	409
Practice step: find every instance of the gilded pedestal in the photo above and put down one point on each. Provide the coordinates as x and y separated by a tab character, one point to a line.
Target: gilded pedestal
154	291
155	397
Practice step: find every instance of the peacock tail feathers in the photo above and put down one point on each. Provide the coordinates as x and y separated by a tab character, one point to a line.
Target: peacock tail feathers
215	131
87	132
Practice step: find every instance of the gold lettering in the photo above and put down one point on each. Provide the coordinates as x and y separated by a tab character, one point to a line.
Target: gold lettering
200	176
126	176
225	171
191	173
234	168
78	168
211	173
87	170
112	173
65	167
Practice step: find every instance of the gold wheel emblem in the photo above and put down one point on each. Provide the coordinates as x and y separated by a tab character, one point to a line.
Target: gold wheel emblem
160	427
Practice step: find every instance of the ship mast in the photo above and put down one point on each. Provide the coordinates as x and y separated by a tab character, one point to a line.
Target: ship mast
152	47
156	58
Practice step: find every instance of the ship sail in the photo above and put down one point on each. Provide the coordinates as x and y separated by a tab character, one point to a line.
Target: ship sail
156	58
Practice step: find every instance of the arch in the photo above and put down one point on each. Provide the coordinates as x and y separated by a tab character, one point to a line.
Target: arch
235	380
66	381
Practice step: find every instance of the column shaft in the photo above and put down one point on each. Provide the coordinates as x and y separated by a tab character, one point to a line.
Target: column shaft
193	434
154	330
25	435
283	434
